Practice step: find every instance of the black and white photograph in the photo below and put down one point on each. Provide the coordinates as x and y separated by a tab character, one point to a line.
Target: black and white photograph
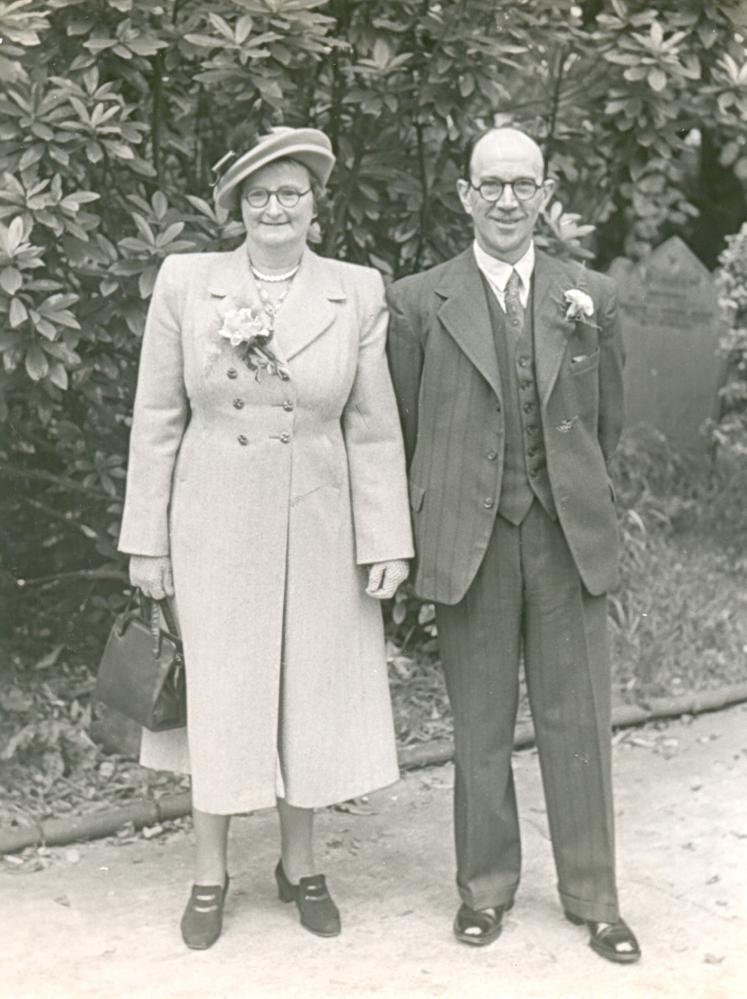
373	499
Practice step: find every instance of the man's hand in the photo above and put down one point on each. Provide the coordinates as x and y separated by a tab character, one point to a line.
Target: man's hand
152	574
385	577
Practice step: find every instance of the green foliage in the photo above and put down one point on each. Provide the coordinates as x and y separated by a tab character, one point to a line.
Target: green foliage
731	431
679	616
111	112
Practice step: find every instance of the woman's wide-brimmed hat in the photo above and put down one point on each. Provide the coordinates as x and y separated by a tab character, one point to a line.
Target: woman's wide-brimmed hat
307	145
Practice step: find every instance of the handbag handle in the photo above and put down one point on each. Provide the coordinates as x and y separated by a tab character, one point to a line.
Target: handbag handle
158	607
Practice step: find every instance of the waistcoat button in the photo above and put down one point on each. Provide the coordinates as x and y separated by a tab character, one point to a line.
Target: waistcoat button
232	373
488	503
285	438
288	406
242	440
238	403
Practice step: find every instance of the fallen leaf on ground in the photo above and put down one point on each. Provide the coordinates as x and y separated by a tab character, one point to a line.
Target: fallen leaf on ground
63	900
50	659
358	806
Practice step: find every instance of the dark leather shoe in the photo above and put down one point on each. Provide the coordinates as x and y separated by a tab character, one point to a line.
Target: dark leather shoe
613	941
318	912
479	927
202	921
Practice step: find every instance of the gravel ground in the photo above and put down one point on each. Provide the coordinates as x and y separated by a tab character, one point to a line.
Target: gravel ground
101	919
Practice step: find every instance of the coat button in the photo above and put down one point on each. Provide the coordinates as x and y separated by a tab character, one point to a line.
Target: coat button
238	403
232	373
492	455
242	440
285	438
488	503
288	406
523	361
528	407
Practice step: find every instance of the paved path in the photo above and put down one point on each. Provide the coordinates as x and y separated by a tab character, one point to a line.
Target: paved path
102	919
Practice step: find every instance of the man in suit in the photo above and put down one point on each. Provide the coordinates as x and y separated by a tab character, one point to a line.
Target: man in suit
507	366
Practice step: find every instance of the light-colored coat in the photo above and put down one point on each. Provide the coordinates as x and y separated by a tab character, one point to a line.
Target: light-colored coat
271	496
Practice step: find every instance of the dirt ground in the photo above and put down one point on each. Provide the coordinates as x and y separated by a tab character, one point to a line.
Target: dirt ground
101	920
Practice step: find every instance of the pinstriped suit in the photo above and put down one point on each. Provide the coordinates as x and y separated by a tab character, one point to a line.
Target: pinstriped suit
503	590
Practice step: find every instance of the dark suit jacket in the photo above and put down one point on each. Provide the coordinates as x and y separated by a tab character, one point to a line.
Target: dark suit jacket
445	372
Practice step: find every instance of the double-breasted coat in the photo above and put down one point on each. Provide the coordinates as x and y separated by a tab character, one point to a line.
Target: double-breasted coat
271	496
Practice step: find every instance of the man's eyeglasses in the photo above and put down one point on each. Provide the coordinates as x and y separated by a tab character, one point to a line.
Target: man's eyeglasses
524	189
288	197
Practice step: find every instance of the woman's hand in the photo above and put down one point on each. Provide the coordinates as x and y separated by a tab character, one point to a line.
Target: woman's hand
385	577
152	574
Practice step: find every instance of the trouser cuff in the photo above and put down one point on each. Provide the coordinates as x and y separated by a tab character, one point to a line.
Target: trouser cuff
598	912
501	895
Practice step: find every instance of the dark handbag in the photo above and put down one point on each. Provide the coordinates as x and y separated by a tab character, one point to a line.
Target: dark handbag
141	673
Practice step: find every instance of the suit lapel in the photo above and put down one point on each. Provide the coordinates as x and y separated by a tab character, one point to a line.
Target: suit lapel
307	311
551	330
465	315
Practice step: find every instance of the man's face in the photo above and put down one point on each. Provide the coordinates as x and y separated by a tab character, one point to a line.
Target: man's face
504	228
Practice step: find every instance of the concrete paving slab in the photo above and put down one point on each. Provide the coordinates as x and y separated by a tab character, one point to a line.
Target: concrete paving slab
102	919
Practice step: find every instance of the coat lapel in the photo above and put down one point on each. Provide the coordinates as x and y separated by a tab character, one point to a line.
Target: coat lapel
465	315
309	308
551	330
307	311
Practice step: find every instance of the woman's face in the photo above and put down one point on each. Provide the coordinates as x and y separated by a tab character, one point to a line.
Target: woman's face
275	225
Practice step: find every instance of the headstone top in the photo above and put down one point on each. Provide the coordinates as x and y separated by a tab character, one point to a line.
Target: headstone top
670	317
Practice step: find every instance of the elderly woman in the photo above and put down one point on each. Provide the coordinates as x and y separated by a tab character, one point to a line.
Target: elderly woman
266	490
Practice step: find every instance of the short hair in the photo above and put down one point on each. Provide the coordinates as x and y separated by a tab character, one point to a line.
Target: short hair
314	183
475	139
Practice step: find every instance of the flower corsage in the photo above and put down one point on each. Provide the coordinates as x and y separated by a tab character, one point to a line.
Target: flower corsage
577	305
246	330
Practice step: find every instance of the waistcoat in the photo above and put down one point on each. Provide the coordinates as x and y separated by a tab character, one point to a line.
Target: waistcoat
524	465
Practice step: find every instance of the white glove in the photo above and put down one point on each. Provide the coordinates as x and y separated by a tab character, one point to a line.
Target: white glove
152	574
385	577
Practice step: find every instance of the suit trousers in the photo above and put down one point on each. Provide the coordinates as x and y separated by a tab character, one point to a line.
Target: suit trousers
527	597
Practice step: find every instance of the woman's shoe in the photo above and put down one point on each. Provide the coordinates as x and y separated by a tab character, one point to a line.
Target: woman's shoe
203	918
614	941
318	912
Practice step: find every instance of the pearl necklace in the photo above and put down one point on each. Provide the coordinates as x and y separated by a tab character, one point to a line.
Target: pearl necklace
274	278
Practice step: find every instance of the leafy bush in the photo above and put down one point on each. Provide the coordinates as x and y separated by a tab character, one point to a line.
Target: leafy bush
113	110
731	431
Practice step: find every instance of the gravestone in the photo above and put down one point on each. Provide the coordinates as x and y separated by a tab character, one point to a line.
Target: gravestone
671	327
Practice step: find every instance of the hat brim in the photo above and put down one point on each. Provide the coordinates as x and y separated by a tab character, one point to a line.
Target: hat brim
307	145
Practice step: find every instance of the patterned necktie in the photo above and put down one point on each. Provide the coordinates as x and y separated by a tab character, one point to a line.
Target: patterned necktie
514	308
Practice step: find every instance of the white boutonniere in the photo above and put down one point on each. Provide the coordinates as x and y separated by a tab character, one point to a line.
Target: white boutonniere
247	330
577	305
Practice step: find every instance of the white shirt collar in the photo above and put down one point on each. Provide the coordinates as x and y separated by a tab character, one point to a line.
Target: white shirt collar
497	272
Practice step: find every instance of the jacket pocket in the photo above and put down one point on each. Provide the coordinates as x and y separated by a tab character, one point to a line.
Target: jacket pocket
417	495
585	362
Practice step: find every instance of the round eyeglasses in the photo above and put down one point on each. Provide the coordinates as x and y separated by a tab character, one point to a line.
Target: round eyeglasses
288	197
523	188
